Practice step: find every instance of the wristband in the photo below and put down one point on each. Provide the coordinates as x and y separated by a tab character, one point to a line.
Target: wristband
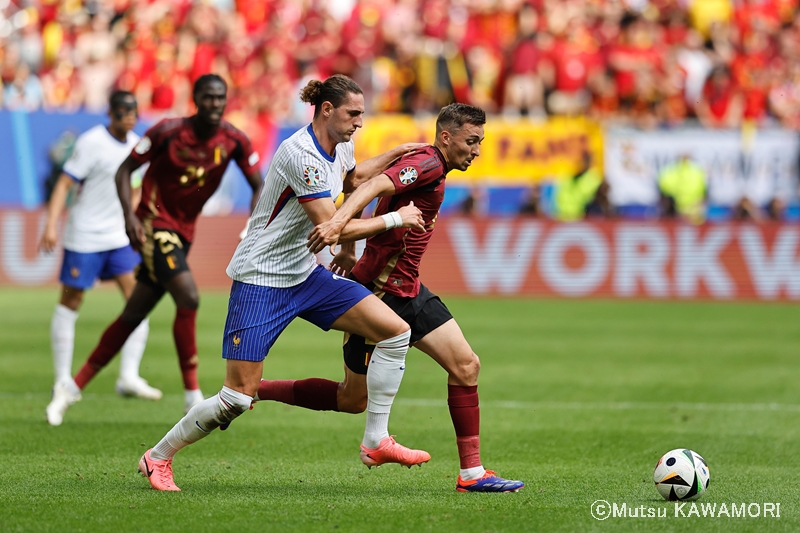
392	220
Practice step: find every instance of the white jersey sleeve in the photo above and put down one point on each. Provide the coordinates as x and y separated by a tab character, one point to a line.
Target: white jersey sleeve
83	157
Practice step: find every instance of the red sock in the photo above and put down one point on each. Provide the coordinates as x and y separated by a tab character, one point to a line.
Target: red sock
314	393
110	343
466	415
183	330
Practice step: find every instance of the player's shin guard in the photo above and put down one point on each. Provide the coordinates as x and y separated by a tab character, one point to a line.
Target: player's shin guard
183	330
110	343
201	420
62	341
384	374
133	350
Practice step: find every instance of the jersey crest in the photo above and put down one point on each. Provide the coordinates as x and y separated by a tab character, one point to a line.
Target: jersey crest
408	175
144	145
311	175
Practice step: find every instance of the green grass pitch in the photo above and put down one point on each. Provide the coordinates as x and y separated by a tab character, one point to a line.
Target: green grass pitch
579	399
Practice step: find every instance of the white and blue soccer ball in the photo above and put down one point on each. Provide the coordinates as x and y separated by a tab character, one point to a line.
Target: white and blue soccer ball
681	475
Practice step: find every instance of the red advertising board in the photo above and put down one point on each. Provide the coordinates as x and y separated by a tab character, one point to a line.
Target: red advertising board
519	256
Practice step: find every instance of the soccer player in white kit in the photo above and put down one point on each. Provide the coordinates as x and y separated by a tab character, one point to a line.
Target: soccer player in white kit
95	243
276	278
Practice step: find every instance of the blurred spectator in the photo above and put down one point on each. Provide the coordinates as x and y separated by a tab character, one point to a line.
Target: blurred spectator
721	104
584	193
683	186
626	62
24	91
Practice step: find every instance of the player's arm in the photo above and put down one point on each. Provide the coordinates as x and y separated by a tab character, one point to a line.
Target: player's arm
372	167
55	207
330	231
133	227
321	210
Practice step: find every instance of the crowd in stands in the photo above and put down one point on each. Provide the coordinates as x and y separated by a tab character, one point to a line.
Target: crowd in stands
644	62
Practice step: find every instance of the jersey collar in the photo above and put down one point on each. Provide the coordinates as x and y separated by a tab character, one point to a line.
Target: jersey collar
320	149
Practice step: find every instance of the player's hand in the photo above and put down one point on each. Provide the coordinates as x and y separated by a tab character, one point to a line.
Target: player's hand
412	217
408	148
49	240
325	234
343	262
135	233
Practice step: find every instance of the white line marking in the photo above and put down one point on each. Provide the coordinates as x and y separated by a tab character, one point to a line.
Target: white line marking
617	406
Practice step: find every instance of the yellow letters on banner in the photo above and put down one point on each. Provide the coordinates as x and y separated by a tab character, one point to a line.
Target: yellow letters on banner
514	152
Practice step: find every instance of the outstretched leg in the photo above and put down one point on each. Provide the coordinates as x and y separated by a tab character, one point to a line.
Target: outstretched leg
241	383
448	347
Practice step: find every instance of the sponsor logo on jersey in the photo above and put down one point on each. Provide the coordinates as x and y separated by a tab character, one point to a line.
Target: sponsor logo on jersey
408	175
143	146
311	175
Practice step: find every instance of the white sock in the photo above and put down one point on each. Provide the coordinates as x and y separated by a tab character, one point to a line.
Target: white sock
62	341
468	474
200	421
132	351
384	374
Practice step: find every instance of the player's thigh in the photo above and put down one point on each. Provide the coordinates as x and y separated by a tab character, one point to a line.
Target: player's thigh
447	346
183	290
371	319
243	376
126	282
142	300
119	265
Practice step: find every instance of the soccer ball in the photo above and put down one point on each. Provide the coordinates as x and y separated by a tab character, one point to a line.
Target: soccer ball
681	475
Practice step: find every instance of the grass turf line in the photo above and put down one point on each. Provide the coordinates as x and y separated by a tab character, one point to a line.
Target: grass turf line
579	399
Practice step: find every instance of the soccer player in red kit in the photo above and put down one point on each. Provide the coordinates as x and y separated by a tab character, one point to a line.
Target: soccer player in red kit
390	268
187	157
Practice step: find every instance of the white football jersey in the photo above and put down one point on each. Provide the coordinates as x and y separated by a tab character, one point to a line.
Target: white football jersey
95	222
274	252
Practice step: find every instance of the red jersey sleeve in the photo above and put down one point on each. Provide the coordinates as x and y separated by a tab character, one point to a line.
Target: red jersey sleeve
415	170
150	144
246	158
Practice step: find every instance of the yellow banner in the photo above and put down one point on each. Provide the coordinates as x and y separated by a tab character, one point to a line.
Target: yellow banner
513	152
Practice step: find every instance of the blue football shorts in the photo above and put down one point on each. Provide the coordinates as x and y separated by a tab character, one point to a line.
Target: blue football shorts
257	315
81	270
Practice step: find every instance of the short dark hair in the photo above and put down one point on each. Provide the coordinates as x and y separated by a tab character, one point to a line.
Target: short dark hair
205	79
452	117
123	101
334	90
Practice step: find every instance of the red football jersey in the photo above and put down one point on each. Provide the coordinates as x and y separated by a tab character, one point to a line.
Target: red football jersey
185	171
391	259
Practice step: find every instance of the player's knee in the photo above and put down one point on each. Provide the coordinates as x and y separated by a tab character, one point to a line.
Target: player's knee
393	348
467	369
231	404
188	300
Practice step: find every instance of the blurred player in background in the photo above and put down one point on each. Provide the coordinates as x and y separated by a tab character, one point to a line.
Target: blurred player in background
95	243
276	279
389	267
187	157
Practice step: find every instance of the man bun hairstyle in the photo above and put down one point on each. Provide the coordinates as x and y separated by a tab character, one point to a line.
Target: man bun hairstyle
205	79
453	117
334	90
